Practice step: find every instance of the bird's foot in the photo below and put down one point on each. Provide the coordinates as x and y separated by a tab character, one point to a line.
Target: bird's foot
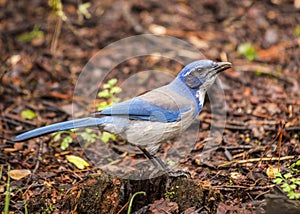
179	173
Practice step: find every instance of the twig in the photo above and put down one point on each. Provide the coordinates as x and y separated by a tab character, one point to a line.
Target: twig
234	187
38	157
269	146
122	208
12	118
263	70
292	128
256	160
280	141
56	35
77	199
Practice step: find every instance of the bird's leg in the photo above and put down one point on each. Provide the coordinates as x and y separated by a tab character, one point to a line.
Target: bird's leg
159	164
156	161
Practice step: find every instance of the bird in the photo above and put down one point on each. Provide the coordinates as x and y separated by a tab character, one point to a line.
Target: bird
149	119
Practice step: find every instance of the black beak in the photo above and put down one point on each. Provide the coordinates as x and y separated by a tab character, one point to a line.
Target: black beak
221	66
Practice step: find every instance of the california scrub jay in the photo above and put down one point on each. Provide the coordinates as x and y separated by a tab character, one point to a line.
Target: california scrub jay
147	120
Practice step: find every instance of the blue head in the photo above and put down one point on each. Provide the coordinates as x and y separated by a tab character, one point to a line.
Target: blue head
198	76
202	74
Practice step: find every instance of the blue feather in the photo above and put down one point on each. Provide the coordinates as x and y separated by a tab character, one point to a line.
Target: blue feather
138	109
79	123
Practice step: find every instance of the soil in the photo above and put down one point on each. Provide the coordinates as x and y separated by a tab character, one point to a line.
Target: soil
43	55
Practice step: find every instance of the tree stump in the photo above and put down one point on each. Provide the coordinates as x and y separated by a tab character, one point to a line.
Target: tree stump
102	193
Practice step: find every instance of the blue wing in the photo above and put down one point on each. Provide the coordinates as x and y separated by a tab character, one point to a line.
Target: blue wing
139	109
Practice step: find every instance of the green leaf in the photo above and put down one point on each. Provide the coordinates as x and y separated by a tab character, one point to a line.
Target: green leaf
297	195
57	136
83	10
247	50
28	114
102	105
171	162
66	142
293	186
115	90
291	195
88	130
112	81
285	187
27	37
287	175
104	94
278	175
297	181
277	180
106	136
115	100
106	86
90	137
77	161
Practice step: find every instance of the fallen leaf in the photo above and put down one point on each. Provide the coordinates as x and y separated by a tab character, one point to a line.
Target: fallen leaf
236	175
190	210
2	189
28	114
271	171
77	161
18	174
163	206
17	147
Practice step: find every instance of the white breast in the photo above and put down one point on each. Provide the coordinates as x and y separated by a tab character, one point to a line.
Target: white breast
147	133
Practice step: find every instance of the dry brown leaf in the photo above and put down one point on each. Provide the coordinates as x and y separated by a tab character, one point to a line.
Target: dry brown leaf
163	206
271	171
18	174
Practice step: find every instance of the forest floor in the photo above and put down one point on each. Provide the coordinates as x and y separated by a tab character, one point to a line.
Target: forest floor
43	54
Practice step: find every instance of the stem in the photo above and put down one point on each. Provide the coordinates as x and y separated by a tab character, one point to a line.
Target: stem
7	195
131	200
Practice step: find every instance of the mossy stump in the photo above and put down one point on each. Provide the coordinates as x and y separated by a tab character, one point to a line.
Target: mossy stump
102	193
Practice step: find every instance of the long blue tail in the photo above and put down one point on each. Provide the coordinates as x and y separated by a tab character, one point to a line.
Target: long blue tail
79	123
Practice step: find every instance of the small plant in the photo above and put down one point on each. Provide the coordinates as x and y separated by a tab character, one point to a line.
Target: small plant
247	50
131	200
108	94
295	167
10	189
289	182
57	7
7	194
83	12
171	194
65	137
23	201
28	37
